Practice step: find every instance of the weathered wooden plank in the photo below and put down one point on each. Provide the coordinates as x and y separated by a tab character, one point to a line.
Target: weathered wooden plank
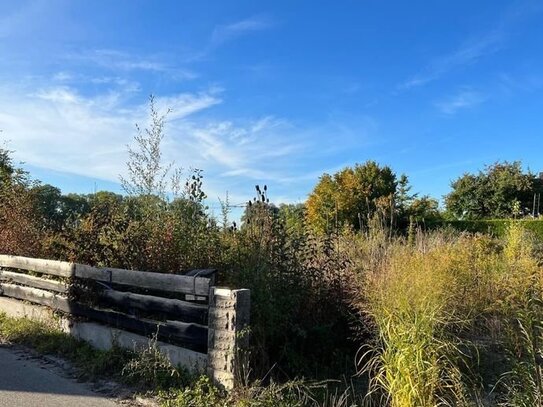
145	279
36	296
192	335
53	267
180	310
102	336
32	281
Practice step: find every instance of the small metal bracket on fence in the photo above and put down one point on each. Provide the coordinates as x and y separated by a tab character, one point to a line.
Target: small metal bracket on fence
199	273
194	281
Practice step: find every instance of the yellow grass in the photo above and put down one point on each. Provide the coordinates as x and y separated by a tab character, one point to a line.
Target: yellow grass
429	298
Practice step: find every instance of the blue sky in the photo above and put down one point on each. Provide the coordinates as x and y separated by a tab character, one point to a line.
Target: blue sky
272	92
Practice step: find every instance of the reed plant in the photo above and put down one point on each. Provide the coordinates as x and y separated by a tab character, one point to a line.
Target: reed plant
521	307
442	303
410	297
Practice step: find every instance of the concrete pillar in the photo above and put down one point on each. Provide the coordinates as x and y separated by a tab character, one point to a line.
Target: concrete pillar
229	312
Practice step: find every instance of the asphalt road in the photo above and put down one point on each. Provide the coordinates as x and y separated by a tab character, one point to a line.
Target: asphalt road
29	383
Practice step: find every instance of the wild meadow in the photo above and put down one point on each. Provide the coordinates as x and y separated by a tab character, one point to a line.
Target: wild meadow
376	301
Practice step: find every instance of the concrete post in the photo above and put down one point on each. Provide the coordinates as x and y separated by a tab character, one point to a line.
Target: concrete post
229	312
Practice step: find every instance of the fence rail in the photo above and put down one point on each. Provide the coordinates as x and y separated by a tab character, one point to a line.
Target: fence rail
182	310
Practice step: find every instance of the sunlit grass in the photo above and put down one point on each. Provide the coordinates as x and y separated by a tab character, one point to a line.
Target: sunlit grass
438	300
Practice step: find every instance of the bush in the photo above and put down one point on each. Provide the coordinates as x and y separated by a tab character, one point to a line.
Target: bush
20	226
151	369
299	295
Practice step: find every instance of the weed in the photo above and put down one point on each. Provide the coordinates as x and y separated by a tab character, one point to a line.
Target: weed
408	297
151	369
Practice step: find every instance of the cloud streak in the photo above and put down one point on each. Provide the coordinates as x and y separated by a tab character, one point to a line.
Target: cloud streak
476	48
228	32
465	99
467	54
58	128
120	61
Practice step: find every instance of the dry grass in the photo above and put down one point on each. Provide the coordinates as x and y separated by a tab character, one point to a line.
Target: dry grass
435	303
409	297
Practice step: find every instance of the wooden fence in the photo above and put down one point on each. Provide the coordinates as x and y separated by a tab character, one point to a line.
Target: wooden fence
203	322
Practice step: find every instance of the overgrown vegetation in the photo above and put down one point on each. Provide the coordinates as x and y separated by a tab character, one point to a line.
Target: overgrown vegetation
443	309
150	372
362	278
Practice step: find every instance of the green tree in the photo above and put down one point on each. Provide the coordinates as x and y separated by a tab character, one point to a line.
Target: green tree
48	205
292	216
351	197
423	209
20	227
6	165
74	206
496	192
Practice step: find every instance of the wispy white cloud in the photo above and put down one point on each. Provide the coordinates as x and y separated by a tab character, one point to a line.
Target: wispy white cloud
119	60
115	60
477	47
255	149
79	121
467	54
464	99
70	78
227	32
59	128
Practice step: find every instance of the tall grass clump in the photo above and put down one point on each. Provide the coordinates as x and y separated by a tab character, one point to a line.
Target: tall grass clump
452	316
521	309
409	297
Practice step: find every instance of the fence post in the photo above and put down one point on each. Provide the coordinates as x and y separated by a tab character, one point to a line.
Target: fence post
229	312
